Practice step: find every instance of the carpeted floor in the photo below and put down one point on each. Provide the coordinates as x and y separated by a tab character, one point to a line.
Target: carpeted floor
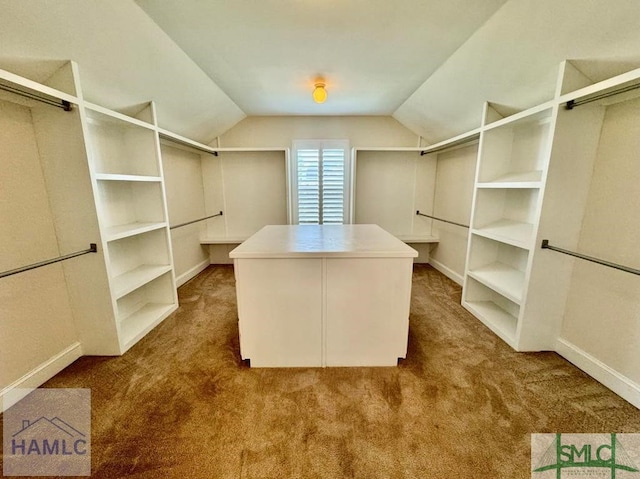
181	404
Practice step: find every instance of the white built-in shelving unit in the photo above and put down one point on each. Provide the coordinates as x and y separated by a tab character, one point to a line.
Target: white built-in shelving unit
532	181
105	186
124	159
512	166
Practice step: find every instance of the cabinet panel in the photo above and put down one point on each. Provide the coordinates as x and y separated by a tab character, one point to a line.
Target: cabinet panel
280	311
367	327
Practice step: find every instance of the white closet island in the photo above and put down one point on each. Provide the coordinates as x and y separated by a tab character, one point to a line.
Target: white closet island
323	295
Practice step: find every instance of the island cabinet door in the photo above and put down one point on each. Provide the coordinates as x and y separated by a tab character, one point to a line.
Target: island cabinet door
280	311
367	310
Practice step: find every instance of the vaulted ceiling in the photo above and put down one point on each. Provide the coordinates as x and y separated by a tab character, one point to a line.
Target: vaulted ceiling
372	54
431	64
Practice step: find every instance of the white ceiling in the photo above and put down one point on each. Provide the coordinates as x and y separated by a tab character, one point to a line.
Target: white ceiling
380	57
266	54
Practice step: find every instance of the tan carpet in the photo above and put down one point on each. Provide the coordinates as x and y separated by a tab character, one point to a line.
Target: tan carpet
462	405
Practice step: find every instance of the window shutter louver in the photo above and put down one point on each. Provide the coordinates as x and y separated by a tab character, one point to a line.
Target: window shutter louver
320	180
332	186
308	186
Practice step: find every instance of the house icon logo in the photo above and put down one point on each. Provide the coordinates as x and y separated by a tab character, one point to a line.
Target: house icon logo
48	437
47	432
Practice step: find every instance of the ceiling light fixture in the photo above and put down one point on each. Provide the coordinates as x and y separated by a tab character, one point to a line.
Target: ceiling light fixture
319	93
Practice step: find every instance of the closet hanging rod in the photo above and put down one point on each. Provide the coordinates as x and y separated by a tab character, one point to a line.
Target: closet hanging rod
194	221
571	104
93	248
64	104
184	143
469	139
545	245
440	219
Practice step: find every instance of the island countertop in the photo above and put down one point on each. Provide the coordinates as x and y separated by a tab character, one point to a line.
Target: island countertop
323	241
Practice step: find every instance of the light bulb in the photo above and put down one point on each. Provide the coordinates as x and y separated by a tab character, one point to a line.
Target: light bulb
319	93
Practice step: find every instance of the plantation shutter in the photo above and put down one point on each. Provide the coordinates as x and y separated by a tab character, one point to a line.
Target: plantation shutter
320	180
332	186
309	186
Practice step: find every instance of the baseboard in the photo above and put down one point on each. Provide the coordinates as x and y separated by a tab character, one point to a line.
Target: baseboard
619	384
192	273
448	272
39	375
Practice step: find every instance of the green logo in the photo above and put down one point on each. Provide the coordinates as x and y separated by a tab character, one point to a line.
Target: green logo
585	451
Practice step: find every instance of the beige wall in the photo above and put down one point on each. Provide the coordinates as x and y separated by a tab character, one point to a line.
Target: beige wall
36	321
602	315
455	170
185	202
280	131
455	175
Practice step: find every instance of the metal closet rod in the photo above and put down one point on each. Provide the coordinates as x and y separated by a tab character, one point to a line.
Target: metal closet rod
571	104
64	104
184	143
194	221
469	139
545	245
93	248
440	219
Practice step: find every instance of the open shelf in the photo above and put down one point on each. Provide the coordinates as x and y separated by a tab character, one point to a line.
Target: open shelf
516	151
140	322
494	310
144	307
525	179
116	177
131	280
495	318
121	147
114	233
499	266
418	238
502	278
226	240
511	232
506	214
126	202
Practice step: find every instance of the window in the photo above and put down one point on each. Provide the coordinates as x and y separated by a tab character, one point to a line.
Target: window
319	177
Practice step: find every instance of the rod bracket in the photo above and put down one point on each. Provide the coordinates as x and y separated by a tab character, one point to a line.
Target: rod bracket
422	153
66	105
93	247
571	104
545	244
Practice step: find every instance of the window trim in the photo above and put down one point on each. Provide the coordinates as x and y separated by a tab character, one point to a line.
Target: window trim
320	144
